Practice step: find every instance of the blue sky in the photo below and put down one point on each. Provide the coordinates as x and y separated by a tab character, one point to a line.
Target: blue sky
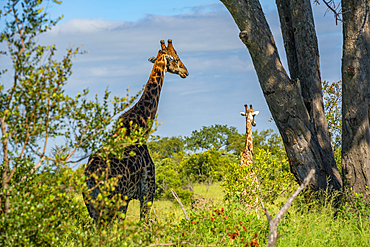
121	35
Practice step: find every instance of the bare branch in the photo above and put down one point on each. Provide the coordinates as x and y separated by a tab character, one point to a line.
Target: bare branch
274	223
179	201
333	9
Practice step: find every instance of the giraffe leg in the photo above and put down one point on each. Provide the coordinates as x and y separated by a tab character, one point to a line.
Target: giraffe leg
92	212
147	182
146	201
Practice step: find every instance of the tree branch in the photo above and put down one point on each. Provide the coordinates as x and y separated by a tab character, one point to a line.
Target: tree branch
336	14
274	222
179	201
5	163
19	30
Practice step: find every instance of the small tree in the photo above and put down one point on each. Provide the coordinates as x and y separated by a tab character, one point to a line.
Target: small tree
34	110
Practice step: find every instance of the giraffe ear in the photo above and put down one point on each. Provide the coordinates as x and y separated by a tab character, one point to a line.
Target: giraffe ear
255	113
242	113
152	59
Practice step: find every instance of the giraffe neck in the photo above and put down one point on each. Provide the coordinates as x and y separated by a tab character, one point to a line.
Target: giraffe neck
148	102
146	108
247	155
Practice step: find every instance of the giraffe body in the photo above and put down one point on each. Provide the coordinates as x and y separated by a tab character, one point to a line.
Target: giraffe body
246	158
137	172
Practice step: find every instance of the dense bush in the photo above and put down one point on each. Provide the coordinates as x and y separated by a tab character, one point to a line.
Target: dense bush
273	175
202	166
43	210
167	178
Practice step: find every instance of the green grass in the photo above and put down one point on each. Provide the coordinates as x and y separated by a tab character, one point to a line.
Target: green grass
301	226
319	227
163	208
227	224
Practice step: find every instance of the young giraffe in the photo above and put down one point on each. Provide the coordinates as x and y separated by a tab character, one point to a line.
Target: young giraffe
138	175
246	158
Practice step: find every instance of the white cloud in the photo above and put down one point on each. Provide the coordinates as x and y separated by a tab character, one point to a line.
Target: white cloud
86	25
190	32
221	80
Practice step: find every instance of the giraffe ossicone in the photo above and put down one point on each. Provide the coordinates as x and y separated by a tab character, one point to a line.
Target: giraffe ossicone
135	173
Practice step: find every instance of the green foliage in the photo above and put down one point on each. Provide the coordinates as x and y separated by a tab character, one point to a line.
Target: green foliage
268	140
355	207
43	211
224	226
217	137
333	111
165	147
200	166
168	177
274	176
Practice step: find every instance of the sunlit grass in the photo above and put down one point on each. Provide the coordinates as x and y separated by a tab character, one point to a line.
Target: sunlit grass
301	226
164	208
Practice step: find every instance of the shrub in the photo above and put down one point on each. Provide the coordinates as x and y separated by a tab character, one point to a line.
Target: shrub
167	177
272	172
43	210
201	166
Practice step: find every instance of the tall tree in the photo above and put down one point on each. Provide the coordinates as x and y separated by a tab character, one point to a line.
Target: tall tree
295	100
356	94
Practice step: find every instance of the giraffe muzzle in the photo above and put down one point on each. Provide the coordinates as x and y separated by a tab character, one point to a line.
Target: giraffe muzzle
183	74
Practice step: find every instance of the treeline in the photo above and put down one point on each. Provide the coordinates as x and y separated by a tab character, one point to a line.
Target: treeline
213	154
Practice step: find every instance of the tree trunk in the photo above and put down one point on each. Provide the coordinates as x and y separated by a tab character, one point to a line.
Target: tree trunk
299	117
356	94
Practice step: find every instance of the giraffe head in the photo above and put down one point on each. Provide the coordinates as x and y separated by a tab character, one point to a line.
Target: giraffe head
249	113
174	64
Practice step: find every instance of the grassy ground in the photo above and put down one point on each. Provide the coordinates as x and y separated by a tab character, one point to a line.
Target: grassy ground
234	226
164	208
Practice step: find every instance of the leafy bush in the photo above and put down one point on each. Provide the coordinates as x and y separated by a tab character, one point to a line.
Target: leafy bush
168	177
184	195
206	165
272	172
43	210
225	226
165	147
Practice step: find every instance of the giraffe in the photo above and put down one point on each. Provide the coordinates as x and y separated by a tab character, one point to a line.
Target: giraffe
246	158
137	172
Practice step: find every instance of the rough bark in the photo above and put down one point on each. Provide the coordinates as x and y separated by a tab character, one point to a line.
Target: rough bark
306	149
356	94
301	46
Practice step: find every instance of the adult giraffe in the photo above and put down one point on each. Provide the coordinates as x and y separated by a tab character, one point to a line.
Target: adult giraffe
137	173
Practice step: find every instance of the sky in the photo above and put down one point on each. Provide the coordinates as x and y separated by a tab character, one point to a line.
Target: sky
121	35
